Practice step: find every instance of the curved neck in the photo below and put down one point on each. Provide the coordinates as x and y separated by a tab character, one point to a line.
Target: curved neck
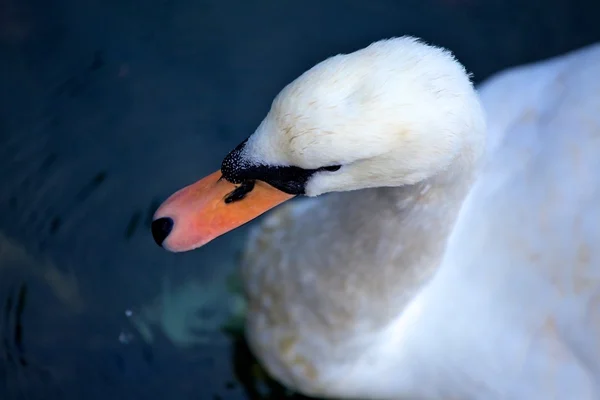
391	244
400	232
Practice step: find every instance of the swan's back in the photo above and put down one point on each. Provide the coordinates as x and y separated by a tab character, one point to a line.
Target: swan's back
525	247
533	89
544	161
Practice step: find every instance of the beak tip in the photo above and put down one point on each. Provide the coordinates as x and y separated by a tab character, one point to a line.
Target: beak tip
161	228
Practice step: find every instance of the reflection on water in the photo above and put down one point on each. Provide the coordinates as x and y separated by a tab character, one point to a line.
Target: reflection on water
181	315
184	315
21	376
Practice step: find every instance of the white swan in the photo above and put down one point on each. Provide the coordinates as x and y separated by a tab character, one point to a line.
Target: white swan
440	279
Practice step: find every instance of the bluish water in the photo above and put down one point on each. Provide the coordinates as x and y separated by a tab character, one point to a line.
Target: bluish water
108	106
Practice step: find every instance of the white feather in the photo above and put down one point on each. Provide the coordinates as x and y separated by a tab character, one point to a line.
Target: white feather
441	281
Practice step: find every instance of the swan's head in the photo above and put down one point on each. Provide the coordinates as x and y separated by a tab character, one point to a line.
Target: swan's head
394	113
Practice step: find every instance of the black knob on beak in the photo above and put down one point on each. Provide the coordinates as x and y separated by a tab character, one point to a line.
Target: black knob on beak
161	229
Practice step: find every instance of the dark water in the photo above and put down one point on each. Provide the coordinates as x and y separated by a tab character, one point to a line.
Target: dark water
108	106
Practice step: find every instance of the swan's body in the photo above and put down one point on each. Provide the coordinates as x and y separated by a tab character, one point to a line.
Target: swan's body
327	278
458	272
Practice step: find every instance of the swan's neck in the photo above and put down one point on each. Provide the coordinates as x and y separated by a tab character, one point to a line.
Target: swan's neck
400	232
394	250
356	259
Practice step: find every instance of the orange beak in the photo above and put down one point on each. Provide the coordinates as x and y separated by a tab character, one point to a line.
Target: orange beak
198	213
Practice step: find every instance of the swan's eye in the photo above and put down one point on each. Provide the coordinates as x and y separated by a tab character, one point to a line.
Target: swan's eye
289	179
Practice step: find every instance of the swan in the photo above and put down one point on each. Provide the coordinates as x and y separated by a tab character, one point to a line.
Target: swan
437	252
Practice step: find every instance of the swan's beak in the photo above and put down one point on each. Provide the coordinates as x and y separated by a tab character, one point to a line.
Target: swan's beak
198	213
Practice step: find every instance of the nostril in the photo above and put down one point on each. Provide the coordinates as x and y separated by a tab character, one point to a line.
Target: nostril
161	229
